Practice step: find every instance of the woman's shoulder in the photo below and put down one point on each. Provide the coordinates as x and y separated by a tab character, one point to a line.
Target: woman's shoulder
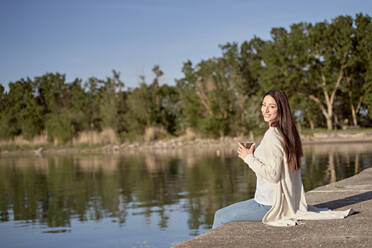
274	136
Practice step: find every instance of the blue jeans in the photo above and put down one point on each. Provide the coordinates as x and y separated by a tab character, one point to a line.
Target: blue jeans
249	210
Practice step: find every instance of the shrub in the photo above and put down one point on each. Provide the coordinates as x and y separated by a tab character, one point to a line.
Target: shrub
59	128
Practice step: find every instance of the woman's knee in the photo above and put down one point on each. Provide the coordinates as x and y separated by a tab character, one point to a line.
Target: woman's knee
218	212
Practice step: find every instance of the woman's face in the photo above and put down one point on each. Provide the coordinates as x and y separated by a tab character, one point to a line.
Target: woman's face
269	109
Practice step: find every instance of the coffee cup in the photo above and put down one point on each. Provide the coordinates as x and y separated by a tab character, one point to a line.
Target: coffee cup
246	144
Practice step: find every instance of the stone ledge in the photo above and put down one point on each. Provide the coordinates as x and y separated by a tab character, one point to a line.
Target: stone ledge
354	231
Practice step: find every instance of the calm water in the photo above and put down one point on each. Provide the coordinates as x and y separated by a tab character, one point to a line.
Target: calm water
152	200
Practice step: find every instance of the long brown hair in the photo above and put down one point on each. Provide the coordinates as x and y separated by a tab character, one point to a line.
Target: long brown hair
287	128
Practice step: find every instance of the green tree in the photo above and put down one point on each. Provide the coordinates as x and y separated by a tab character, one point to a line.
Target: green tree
358	76
22	114
138	115
249	86
170	108
330	46
152	105
92	113
108	105
78	106
191	109
53	94
60	127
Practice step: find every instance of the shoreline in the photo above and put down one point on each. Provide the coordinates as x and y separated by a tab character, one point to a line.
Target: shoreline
319	138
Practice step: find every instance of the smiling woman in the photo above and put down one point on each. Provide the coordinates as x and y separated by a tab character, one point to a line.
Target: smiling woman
269	109
280	197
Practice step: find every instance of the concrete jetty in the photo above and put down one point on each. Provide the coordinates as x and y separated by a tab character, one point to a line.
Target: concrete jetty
354	231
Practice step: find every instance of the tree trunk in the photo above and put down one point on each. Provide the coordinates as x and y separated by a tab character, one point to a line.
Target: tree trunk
352	108
203	98
330	98
337	124
326	112
353	114
329	122
311	124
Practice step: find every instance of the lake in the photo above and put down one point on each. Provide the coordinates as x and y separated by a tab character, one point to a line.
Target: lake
139	200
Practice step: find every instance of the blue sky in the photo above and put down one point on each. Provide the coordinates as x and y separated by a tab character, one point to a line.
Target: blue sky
83	38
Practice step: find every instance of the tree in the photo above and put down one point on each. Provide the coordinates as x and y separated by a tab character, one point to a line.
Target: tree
310	60
22	115
51	92
284	59
78	106
92	113
330	46
191	107
110	100
138	115
242	67
358	76
155	94
152	105
213	90
54	96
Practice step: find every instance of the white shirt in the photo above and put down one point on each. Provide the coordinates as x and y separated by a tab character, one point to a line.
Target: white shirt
264	189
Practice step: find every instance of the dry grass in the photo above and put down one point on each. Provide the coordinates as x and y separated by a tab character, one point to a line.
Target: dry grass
190	134
20	141
107	136
154	133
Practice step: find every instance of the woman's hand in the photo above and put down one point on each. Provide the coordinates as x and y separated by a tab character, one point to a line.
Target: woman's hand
243	151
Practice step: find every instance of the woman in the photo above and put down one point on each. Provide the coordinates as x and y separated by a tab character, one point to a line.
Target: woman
280	197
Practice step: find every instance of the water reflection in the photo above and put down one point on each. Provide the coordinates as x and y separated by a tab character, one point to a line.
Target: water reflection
190	186
331	163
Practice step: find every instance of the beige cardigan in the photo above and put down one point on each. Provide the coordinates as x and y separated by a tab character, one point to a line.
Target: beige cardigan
289	204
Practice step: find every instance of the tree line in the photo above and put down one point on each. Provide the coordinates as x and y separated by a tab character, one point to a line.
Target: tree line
325	68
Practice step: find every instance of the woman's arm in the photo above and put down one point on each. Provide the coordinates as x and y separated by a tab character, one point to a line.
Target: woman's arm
274	160
270	170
